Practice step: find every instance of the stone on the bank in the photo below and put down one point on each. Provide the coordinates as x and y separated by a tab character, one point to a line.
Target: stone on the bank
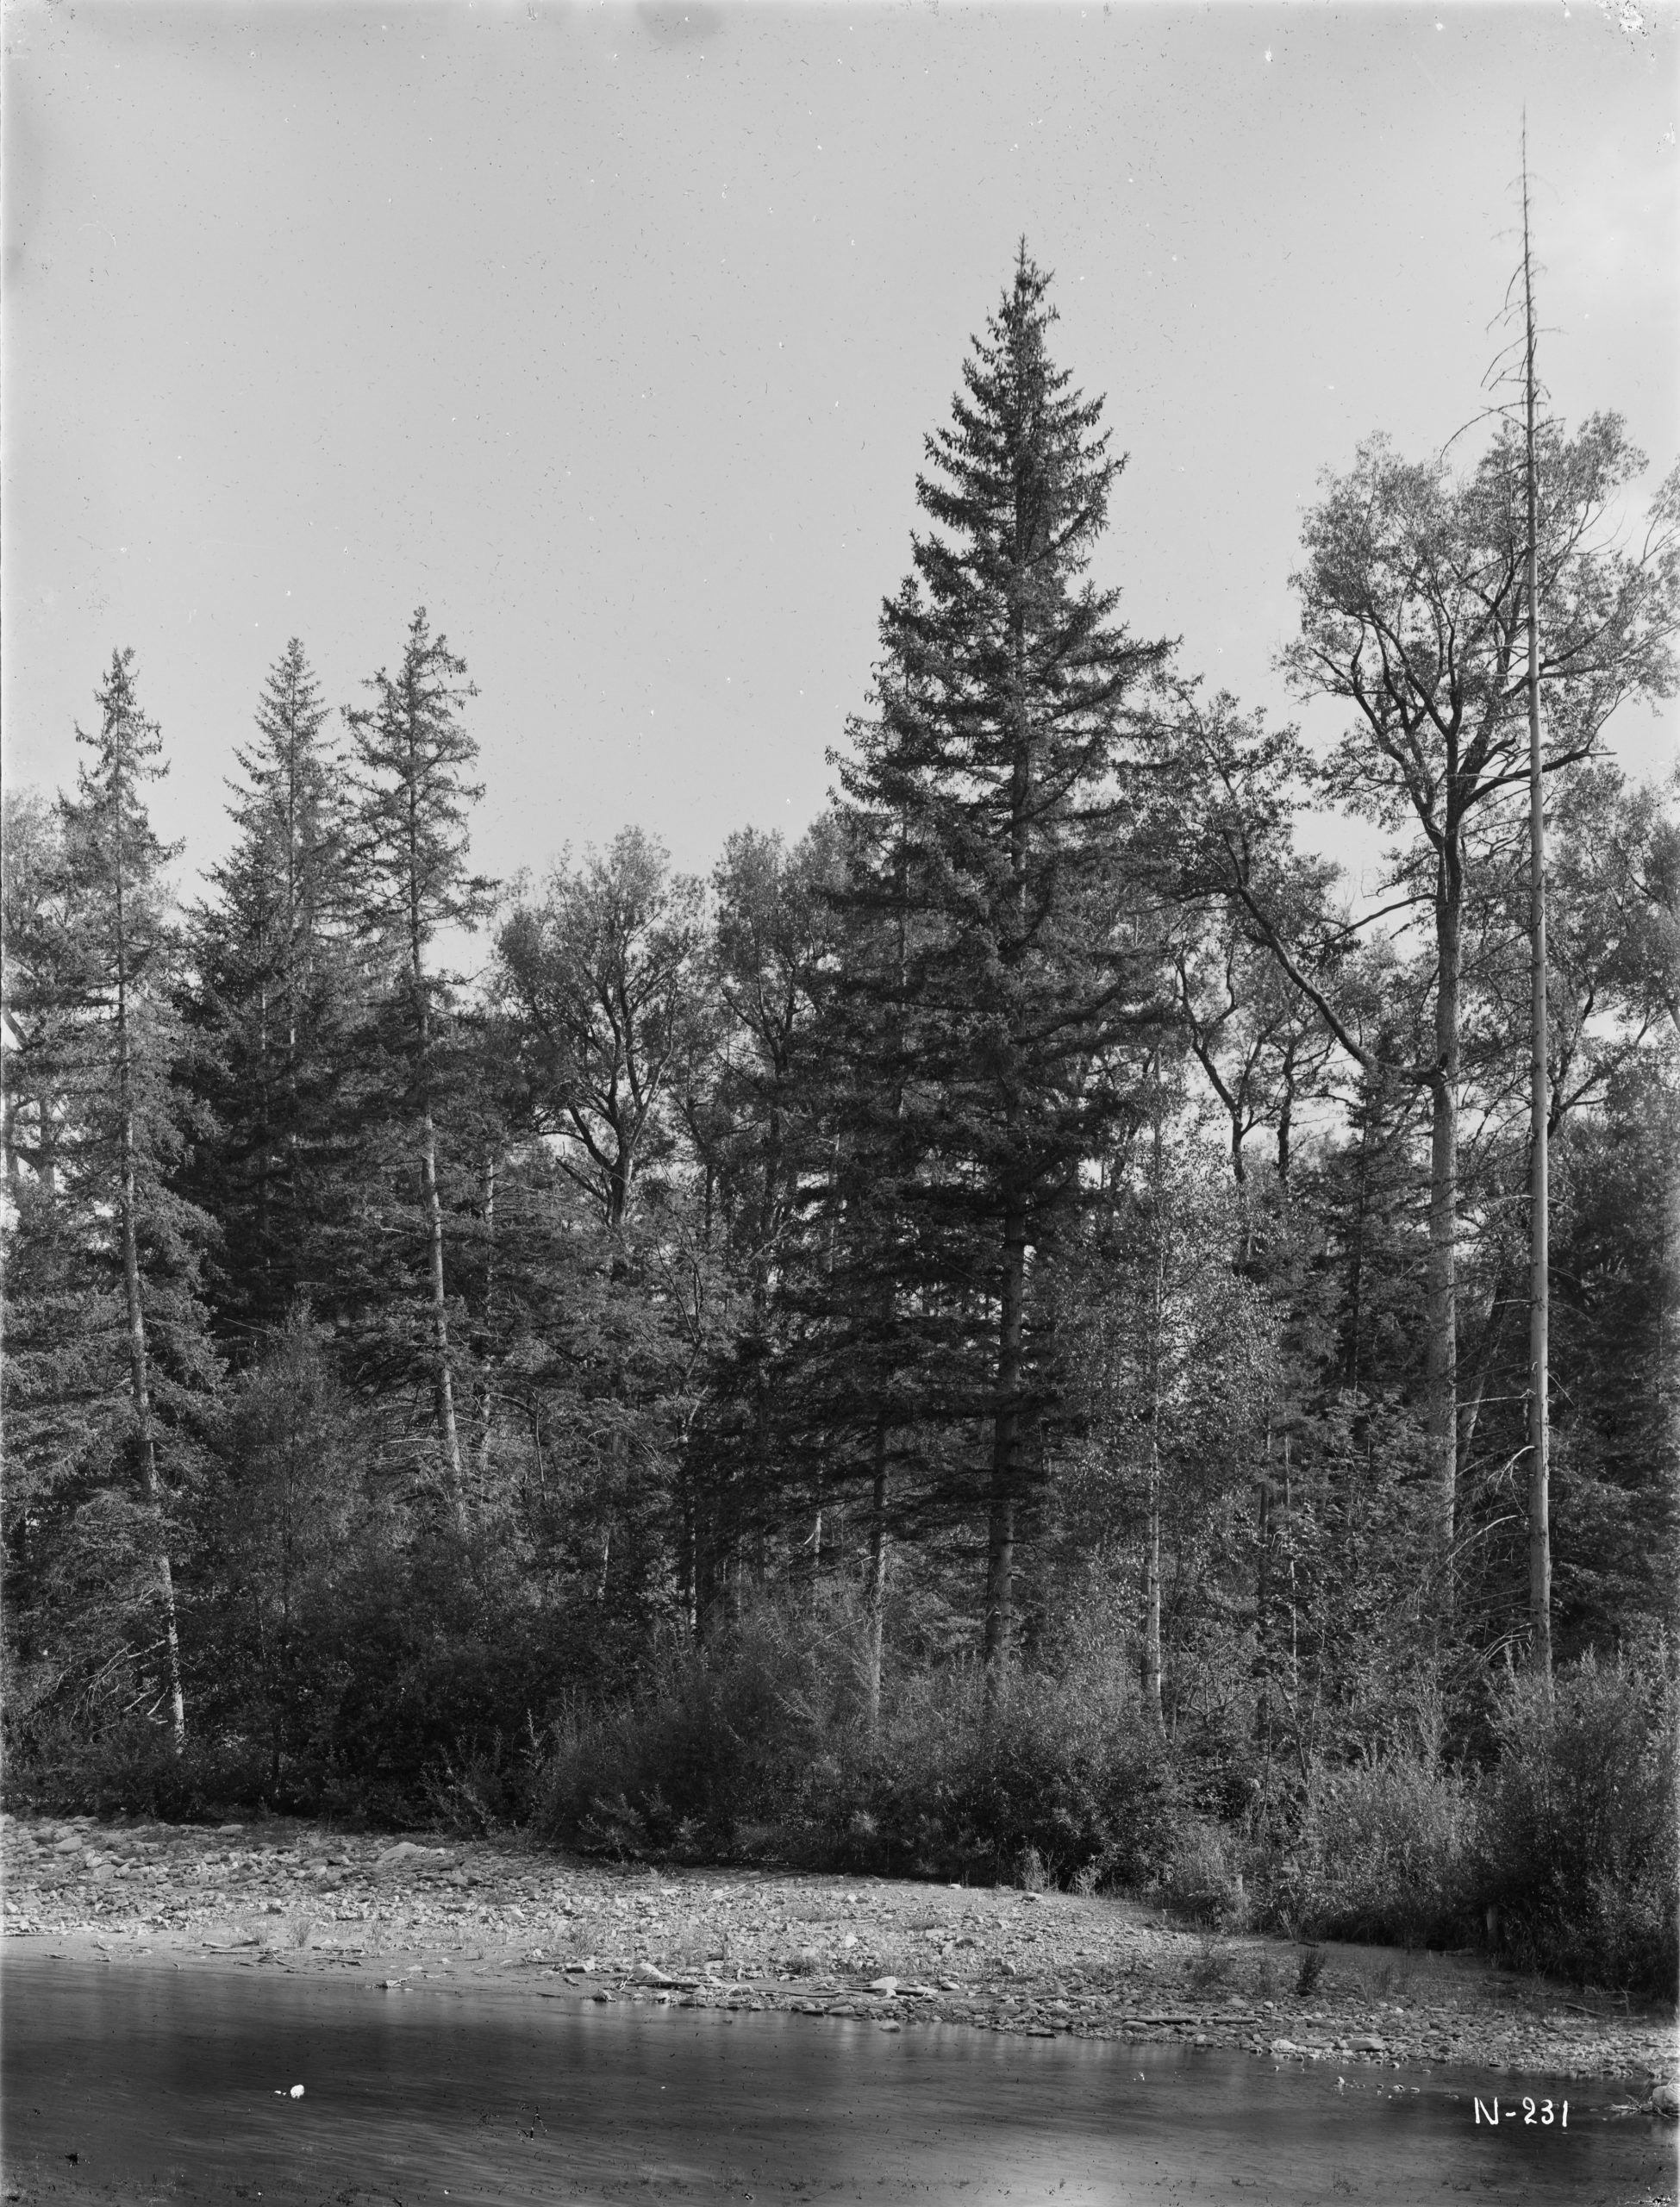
405	1850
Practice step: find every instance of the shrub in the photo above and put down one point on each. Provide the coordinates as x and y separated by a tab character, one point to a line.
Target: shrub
1063	1781
721	1735
1578	1852
131	1768
758	1743
1383	1852
1201	1881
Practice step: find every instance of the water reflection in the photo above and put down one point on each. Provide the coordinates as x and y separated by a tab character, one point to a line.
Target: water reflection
176	2084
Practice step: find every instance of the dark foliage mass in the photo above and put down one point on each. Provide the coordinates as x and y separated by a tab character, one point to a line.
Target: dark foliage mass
988	1342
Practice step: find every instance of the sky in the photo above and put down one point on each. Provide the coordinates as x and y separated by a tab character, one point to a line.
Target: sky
612	335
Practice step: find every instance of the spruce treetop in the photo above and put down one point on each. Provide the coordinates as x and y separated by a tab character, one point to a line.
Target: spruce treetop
411	749
113	857
1004	699
1022	476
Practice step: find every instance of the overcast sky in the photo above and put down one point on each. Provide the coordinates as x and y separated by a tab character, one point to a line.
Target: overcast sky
612	334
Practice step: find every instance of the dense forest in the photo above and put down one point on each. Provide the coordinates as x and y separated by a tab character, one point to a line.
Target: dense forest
989	1341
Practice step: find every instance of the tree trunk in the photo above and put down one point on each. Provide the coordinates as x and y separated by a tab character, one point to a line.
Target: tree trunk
445	1382
1001	1530
1006	1429
139	1372
1295	1613
688	1573
1286	1117
1262	1666
1152	1590
876	1590
1356	1247
428	1179
1441	1300
1152	1560
487	1400
1540	1254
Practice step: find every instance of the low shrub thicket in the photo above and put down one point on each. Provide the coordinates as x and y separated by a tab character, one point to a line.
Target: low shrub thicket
721	1739
1382	1852
1563	1856
1578	1850
757	1744
760	1743
1563	1853
1062	1782
131	1765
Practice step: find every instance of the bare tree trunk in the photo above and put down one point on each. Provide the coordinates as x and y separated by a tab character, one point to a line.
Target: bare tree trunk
265	1167
1151	1561
688	1586
876	1595
139	1361
1152	1589
445	1382
1262	1667
487	1400
1539	1259
428	1179
1441	1301
1000	1529
1294	1615
1356	1254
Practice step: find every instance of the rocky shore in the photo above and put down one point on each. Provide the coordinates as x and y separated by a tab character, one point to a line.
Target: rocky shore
284	1896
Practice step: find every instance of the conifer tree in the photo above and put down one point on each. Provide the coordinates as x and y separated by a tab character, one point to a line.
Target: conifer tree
106	1344
411	806
274	1000
990	802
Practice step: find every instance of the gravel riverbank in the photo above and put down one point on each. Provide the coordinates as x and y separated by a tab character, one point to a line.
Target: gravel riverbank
284	1896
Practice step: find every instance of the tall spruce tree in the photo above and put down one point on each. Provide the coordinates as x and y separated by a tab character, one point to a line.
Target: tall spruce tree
411	806
990	808
274	1000
106	1349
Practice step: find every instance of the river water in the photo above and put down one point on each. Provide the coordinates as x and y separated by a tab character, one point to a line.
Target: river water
138	2084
